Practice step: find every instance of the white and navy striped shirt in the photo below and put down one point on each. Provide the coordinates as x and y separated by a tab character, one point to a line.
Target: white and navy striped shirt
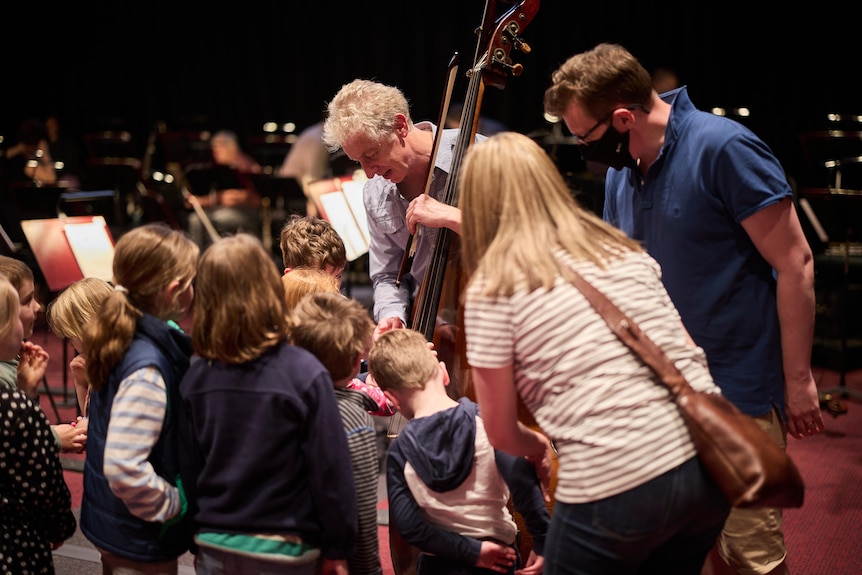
612	421
137	417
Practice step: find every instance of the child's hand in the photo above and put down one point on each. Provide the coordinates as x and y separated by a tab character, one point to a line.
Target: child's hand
81	424
544	464
534	566
78	367
496	557
31	368
72	439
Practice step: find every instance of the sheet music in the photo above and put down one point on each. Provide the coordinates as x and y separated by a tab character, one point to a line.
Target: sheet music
93	248
353	192
339	201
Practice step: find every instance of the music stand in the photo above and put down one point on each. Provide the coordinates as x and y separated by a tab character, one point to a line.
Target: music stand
843	211
67	250
279	197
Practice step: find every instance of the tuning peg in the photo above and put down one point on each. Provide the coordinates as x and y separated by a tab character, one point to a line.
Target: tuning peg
500	60
521	45
511	31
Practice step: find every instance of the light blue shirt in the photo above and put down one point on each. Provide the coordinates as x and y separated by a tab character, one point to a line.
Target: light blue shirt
386	210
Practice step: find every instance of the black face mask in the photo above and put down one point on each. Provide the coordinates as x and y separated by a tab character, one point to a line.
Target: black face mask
611	149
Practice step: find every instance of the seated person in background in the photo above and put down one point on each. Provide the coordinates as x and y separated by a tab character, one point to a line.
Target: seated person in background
448	487
307	160
65	152
231	204
338	331
29	161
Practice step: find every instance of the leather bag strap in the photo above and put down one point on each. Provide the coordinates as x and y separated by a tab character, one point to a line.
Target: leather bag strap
629	332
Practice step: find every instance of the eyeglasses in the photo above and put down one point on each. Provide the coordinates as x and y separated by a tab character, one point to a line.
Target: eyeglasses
582	140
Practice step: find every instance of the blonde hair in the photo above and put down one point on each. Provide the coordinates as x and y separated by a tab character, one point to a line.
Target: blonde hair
307	241
9	309
363	107
600	80
16	271
146	260
336	329
518	213
76	305
239	310
300	282
401	359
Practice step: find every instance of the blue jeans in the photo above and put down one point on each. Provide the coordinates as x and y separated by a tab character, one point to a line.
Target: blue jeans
667	525
209	561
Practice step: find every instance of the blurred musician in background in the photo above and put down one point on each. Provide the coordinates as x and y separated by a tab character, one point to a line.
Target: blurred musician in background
231	202
29	162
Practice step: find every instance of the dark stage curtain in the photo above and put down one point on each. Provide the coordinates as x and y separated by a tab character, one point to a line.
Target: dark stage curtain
107	64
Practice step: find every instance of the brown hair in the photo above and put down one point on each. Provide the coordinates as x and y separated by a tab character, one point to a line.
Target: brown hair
335	328
147	259
239	303
600	80
401	359
16	271
310	242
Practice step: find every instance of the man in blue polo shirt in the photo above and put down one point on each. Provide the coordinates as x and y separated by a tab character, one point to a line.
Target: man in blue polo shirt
712	205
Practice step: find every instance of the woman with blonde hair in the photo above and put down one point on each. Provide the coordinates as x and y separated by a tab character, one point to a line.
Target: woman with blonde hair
134	509
631	495
272	491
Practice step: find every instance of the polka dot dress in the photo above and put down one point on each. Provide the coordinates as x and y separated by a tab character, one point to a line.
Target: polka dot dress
35	503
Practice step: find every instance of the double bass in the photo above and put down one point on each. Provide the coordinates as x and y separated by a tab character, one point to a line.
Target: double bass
436	302
436	313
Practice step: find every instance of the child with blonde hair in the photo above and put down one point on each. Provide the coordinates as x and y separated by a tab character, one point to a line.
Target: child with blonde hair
37	515
448	488
67	315
272	492
134	508
299	282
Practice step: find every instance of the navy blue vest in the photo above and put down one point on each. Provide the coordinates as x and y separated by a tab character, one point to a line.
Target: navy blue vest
105	520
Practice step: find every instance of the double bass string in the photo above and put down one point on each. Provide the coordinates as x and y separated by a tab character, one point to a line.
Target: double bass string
412	240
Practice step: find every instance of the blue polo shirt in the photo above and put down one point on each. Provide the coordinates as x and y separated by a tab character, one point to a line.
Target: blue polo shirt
711	174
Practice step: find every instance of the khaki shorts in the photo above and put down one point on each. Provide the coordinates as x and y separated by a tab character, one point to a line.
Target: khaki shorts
752	541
